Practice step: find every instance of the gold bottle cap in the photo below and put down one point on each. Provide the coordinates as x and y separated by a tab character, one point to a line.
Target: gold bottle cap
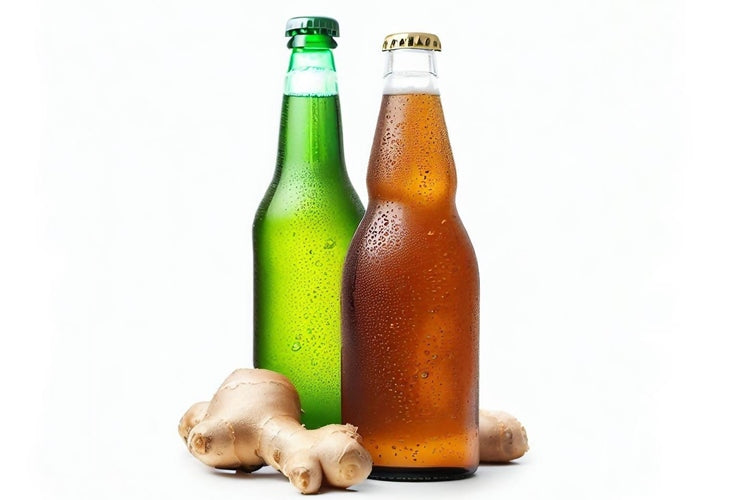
412	40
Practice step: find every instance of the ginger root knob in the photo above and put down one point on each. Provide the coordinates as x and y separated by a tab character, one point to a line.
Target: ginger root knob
502	438
254	420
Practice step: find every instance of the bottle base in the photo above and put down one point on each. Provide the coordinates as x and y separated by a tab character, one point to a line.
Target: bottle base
419	474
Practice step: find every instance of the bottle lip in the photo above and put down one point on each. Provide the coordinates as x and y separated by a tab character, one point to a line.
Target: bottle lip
312	42
412	40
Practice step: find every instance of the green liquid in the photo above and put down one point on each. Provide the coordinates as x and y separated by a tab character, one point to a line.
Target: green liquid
300	237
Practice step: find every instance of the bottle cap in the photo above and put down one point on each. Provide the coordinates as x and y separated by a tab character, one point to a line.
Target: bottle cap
412	40
312	25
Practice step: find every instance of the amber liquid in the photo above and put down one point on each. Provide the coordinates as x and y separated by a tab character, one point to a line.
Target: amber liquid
410	305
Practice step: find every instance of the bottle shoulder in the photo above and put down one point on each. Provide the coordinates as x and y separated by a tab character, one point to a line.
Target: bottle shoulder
401	249
316	203
390	225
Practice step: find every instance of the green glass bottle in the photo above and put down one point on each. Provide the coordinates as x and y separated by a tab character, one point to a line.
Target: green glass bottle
303	228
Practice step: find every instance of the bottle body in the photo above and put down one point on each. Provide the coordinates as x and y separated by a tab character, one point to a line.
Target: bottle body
300	235
410	304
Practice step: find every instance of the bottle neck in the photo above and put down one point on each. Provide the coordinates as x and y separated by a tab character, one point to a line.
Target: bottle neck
410	71
411	159
310	132
311	71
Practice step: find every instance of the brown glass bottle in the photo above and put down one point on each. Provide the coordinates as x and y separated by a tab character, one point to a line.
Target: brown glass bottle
410	292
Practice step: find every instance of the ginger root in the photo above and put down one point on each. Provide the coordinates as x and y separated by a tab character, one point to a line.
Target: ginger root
254	420
502	438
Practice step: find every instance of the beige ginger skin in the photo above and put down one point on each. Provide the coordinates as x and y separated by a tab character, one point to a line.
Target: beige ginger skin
502	438
254	420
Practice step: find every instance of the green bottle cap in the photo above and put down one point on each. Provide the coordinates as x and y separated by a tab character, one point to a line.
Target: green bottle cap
312	25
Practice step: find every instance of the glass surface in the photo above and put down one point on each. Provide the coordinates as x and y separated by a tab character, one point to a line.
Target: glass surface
300	236
410	305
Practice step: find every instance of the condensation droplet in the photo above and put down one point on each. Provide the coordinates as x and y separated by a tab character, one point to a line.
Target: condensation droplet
296	346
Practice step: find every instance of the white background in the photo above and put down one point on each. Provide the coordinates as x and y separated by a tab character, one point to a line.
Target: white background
602	153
